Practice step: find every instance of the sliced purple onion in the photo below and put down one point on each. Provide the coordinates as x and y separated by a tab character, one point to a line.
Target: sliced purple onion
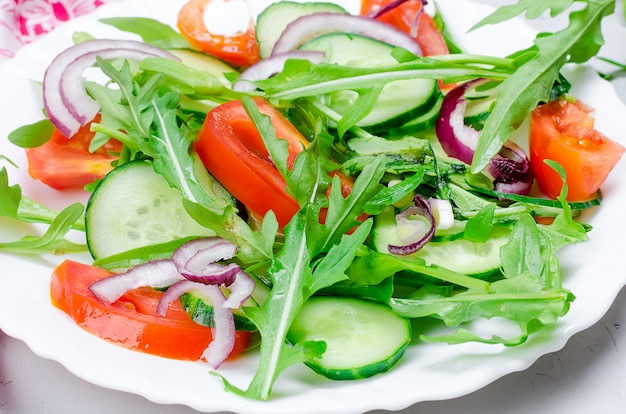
419	238
224	329
156	273
195	260
199	255
310	26
65	100
457	139
510	169
272	65
200	252
240	290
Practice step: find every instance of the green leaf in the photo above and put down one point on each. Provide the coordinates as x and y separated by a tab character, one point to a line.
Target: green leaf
151	31
522	254
479	226
53	240
32	135
11	195
532	82
522	300
531	8
188	80
14	205
171	150
302	79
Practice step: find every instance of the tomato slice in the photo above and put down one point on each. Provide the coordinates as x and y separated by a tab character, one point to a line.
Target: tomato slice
233	151
67	163
563	131
240	49
131	322
403	17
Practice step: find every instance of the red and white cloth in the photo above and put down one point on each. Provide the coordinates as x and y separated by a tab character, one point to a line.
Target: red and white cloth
22	21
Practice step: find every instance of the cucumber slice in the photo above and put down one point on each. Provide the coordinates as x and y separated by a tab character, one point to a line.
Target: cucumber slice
363	338
453	253
420	123
134	207
273	20
399	102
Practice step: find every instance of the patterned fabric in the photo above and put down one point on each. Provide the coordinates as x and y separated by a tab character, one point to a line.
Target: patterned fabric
22	21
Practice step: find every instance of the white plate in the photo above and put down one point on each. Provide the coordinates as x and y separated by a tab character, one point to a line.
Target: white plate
592	270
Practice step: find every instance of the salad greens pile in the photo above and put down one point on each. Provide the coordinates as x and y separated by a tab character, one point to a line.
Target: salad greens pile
156	111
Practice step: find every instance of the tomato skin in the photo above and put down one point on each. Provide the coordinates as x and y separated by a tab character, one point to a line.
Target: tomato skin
239	50
428	36
233	151
67	163
131	322
563	131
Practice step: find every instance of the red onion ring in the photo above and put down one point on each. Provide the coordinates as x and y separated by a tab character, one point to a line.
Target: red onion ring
457	139
65	100
156	273
224	329
510	169
240	290
196	259
307	27
422	208
205	281
272	65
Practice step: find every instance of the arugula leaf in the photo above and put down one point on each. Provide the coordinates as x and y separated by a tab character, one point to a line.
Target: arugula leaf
32	135
532	82
53	240
295	277
151	31
170	150
188	80
11	195
314	256
15	205
304	79
532	9
564	229
479	226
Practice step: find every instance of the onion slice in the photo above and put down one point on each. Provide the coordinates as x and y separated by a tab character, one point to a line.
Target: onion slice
272	65
310	26
510	168
224	329
457	139
156	273
193	268
196	259
65	100
420	236
240	290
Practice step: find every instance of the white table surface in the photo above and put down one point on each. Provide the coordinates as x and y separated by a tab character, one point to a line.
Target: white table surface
587	376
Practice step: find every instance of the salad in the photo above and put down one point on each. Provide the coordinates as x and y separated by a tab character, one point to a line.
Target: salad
361	207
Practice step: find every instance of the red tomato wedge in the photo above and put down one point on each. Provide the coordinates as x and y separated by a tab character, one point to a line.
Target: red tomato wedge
131	322
240	49
403	17
232	150
67	163
563	131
